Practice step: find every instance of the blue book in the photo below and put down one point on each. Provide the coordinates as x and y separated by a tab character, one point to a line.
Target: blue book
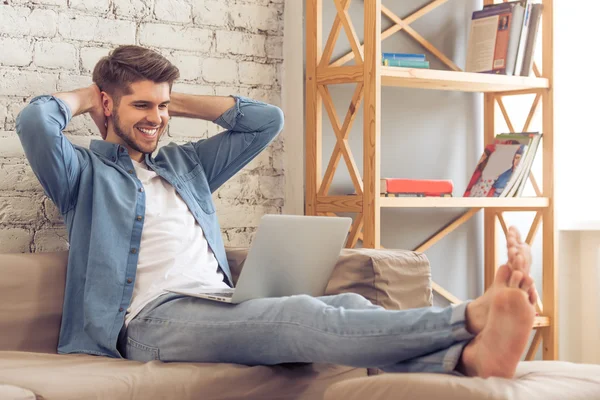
404	56
405	63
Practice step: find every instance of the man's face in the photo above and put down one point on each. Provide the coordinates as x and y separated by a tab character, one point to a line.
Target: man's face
141	117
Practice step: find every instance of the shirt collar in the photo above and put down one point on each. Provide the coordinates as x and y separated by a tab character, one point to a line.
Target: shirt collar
111	150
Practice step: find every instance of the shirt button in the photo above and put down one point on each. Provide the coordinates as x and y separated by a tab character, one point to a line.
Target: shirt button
121	149
139	217
130	171
120	309
141	190
129	280
133	251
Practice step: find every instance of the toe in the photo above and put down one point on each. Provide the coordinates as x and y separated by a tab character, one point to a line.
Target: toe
526	283
503	274
515	279
533	295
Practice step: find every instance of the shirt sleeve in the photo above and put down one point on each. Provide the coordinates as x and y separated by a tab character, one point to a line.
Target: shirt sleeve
250	126
51	156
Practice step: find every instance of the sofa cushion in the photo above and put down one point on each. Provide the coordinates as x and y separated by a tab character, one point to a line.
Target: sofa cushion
10	392
79	376
534	380
393	279
32	291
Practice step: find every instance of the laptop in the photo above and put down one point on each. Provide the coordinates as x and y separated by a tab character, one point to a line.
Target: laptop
290	255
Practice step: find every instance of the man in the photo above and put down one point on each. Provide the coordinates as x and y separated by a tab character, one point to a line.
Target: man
139	224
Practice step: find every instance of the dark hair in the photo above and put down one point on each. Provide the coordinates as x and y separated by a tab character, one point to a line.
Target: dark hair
129	64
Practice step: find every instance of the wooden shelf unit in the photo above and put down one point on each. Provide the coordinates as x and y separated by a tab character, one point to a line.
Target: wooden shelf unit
369	76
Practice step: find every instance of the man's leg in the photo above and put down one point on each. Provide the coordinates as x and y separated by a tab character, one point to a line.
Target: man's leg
344	329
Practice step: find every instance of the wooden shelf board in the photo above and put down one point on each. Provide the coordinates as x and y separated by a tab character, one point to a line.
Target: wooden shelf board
465	202
541	322
458	81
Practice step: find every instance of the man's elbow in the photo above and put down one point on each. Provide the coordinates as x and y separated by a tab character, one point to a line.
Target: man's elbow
275	126
30	120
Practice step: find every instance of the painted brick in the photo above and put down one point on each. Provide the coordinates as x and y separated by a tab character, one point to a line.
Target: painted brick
18	175
15	240
68	82
272	187
20	21
219	70
95	29
55	55
132	9
274	47
210	12
98	6
234	215
256	74
189	88
223	34
51	240
19	210
26	83
19	52
90	56
51	211
256	17
239	237
189	65
173	11
241	43
241	187
176	37
60	3
14	108
188	127
3	114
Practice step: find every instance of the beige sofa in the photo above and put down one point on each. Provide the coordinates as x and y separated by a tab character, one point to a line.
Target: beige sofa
31	293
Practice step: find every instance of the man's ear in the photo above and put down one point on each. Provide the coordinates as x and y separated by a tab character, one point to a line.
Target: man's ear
107	104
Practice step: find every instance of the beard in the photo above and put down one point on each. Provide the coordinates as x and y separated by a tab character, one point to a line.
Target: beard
129	138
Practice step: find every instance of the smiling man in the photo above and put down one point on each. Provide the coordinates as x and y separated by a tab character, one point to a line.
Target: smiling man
141	223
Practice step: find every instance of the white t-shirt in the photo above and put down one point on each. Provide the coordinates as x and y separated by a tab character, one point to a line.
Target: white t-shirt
173	252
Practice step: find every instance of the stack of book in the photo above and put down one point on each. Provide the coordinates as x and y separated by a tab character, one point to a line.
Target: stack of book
504	166
398	187
502	38
406	60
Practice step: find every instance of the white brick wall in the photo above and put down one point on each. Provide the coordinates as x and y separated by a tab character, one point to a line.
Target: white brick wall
222	47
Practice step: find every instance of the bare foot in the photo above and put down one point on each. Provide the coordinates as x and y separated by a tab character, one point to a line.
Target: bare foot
497	350
519	259
518	251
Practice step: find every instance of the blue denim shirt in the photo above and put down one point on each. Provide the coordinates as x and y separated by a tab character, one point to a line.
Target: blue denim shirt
102	202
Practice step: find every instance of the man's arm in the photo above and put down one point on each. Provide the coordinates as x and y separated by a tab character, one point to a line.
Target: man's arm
251	125
52	157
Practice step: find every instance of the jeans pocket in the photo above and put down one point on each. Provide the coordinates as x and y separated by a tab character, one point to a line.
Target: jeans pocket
140	352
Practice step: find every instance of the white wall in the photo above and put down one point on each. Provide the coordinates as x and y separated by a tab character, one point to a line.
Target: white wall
577	109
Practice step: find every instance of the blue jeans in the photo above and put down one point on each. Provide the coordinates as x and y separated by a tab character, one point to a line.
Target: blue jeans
344	329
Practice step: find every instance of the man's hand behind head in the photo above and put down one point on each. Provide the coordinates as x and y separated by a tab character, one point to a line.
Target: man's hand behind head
86	100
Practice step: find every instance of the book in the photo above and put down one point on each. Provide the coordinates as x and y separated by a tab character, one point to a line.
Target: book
405	63
427	187
494	38
527	139
506	174
534	24
494	170
523	38
416	194
404	56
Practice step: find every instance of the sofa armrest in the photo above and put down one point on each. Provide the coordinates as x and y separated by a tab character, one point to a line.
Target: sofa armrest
393	279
